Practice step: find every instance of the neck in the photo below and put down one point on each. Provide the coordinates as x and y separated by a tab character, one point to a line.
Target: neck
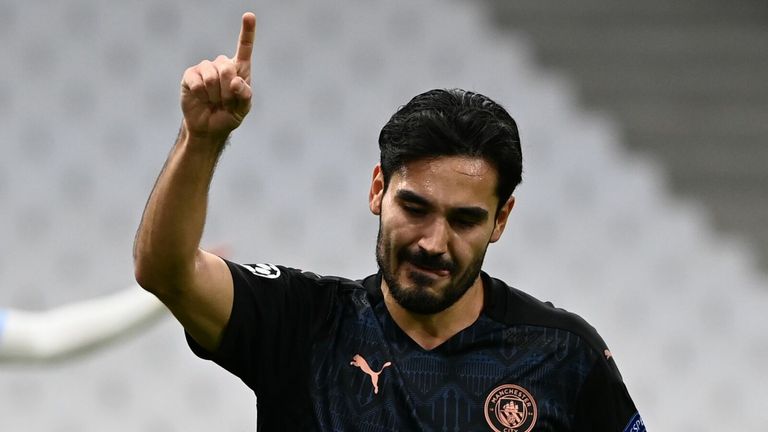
430	331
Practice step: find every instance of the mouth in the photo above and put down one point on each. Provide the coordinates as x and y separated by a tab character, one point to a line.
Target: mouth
433	272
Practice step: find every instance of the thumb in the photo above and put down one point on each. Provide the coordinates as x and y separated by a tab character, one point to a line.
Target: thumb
243	93
239	87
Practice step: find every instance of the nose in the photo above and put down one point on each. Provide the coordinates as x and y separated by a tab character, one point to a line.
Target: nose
434	239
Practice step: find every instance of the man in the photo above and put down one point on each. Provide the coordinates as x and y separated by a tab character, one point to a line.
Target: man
428	343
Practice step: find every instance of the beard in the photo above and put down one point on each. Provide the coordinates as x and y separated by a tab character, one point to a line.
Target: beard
419	298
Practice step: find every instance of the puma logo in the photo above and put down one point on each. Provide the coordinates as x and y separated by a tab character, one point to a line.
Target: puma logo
360	362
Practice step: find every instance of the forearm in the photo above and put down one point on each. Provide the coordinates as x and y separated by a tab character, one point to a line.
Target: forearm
78	327
195	285
167	241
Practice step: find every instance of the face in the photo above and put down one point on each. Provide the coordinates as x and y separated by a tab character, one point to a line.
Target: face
436	219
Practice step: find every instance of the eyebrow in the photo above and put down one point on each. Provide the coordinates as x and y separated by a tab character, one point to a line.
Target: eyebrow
412	197
473	212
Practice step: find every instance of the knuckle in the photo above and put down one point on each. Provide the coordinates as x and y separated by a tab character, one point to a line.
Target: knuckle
195	87
203	65
210	80
190	74
228	71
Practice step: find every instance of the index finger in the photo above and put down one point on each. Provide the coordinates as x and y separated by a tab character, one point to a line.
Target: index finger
247	35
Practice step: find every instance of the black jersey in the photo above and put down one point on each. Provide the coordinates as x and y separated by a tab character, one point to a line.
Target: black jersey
323	354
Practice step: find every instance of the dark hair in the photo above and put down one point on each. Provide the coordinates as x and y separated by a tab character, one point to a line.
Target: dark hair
453	122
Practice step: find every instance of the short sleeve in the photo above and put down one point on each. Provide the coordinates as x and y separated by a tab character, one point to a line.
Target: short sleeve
275	313
604	404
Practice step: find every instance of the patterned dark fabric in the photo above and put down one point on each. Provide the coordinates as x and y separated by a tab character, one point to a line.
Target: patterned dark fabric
322	353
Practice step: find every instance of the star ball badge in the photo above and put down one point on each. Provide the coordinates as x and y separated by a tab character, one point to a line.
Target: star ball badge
269	271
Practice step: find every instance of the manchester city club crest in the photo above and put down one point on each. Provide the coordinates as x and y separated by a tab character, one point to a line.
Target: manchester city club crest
510	408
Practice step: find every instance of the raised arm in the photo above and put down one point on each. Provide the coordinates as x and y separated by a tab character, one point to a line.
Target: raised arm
194	284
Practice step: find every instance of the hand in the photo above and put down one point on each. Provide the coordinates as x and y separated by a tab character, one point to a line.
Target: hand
216	96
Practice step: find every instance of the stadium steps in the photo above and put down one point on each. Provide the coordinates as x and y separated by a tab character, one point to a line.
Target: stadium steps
685	80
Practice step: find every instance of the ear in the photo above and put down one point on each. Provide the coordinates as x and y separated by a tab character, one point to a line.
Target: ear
376	194
501	220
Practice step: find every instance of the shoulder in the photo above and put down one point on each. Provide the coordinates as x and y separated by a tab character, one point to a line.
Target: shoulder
278	281
265	272
512	306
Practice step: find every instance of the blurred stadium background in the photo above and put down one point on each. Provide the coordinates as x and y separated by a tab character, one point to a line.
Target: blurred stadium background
643	206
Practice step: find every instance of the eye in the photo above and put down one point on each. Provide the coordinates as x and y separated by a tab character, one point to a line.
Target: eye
415	210
465	222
